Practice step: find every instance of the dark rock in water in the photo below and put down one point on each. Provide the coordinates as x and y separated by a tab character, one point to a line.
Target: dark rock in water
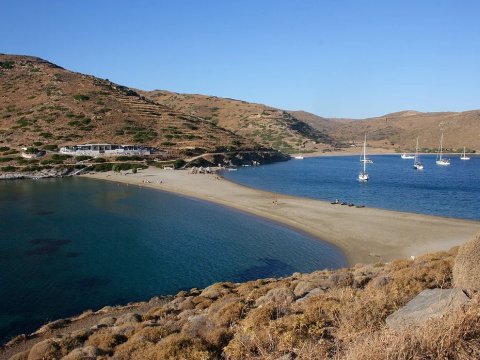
46	246
43	250
429	304
43	212
72	254
92	282
49	241
271	267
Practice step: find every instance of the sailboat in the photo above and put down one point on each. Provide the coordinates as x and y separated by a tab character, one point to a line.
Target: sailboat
407	156
417	165
464	156
299	156
363	157
440	159
363	176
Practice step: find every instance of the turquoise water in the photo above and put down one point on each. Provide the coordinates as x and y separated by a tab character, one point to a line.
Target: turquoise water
452	191
67	245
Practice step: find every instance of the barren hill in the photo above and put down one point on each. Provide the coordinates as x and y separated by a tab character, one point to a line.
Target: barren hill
44	104
260	123
399	130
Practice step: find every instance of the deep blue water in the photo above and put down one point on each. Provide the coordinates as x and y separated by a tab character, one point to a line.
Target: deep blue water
452	191
73	244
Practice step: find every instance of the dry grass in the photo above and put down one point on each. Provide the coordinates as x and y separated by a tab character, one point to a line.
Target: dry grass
261	319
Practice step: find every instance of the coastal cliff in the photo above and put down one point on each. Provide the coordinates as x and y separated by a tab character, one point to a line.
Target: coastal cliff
325	314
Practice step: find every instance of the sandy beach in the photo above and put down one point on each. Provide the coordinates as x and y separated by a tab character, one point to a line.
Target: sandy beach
365	235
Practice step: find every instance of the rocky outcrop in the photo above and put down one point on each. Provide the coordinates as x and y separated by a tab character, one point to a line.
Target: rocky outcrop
42	174
429	304
466	270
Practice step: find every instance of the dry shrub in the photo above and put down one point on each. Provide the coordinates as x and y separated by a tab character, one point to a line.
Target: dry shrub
142	339
456	336
201	302
174	347
419	275
252	290
105	340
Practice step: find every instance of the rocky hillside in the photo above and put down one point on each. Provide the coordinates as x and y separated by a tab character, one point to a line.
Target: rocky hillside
42	104
322	315
263	124
399	130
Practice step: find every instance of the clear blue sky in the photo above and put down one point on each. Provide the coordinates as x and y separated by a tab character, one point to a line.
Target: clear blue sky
330	57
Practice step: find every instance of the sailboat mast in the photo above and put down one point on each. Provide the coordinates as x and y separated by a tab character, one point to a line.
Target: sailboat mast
416	153
441	146
365	154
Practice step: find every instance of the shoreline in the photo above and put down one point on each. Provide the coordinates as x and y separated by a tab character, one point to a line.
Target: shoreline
364	235
375	152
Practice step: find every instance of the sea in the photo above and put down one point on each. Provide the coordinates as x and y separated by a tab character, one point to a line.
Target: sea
450	191
67	245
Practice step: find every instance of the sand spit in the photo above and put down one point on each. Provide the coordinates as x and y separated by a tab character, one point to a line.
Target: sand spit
365	235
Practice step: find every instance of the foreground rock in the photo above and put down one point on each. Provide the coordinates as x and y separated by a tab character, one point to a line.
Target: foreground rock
429	304
466	270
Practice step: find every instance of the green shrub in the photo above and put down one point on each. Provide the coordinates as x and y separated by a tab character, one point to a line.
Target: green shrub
8	64
9	152
81	97
82	157
46	135
131	158
31	150
50	147
60	156
26	161
9	168
102	167
179	163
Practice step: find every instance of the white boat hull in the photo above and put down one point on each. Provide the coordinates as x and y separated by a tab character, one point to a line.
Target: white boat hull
443	162
362	177
418	167
464	158
300	157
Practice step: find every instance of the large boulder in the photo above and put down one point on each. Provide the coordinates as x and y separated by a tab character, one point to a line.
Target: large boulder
466	270
303	288
128	318
44	350
279	296
429	304
85	353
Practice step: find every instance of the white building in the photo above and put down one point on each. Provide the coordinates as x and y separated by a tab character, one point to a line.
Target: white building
105	150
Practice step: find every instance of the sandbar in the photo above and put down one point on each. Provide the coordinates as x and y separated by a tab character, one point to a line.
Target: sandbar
365	235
